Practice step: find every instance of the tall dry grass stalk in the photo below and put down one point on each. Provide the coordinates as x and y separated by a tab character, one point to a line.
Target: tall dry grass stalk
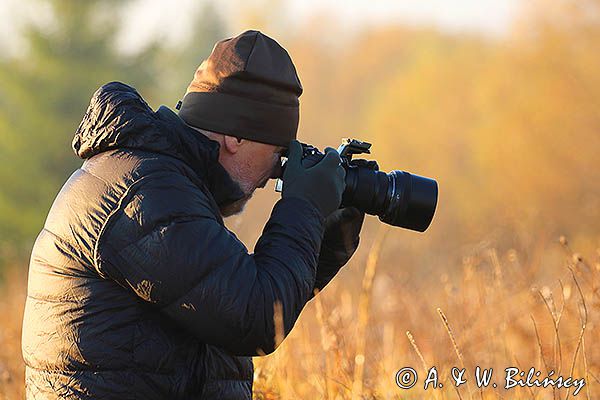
581	340
364	302
455	347
328	344
413	343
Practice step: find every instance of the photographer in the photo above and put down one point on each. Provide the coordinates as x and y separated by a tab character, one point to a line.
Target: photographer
136	287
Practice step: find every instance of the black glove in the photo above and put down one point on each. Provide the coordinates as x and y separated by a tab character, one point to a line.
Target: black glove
340	241
341	237
322	184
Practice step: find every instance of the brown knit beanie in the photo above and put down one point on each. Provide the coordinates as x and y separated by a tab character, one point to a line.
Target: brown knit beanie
247	88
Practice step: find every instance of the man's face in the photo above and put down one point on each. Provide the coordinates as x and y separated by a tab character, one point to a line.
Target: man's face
251	167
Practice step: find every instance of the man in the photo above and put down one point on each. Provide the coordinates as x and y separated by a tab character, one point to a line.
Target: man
136	288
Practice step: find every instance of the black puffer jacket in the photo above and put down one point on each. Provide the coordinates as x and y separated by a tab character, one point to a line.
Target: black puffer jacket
136	288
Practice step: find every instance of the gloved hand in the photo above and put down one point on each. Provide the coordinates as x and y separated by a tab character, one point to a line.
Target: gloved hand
341	237
340	241
322	184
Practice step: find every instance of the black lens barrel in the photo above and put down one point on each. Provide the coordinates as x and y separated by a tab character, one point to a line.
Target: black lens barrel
398	198
366	189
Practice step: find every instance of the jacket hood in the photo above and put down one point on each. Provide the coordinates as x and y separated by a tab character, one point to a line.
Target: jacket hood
118	117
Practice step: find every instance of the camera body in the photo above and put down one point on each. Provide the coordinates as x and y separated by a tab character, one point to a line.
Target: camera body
398	198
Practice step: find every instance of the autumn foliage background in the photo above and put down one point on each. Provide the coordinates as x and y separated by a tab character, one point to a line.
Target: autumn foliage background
508	273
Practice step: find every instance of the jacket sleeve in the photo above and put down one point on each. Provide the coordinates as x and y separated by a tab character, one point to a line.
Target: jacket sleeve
185	263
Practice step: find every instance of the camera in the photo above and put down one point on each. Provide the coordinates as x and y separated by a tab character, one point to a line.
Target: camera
398	198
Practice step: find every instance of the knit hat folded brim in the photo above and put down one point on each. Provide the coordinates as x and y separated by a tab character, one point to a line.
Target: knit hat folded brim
241	117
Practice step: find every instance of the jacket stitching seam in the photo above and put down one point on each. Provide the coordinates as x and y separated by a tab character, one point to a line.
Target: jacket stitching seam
84	169
75	252
125	196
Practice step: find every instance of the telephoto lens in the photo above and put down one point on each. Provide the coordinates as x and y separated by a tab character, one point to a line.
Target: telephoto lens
398	198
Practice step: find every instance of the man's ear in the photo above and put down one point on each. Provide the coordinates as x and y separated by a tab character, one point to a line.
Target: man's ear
232	143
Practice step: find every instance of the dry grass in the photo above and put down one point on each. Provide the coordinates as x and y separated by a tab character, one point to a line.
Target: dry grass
493	313
494	310
12	302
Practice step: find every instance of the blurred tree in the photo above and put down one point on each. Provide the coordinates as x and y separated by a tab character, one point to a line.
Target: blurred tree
268	16
177	64
44	94
508	127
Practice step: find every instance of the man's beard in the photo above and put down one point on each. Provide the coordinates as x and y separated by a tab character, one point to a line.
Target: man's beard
237	206
234	208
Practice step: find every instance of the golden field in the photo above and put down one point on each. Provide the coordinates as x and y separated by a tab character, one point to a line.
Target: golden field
492	311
